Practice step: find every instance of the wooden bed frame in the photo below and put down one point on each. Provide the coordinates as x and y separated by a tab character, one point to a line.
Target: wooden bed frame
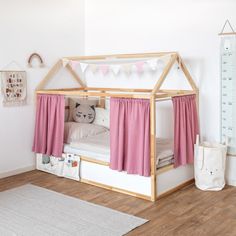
153	94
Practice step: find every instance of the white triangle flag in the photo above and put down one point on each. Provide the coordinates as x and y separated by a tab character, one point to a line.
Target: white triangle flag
152	64
83	66
65	61
115	69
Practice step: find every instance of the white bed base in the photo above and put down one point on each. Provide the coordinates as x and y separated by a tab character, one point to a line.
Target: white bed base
99	174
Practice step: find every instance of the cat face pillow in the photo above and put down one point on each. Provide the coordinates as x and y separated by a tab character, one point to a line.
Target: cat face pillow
84	113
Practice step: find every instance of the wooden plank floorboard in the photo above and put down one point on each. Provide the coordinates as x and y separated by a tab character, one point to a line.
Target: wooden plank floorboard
187	212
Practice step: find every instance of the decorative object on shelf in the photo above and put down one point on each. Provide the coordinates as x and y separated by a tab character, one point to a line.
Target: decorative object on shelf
117	66
37	56
228	86
14	86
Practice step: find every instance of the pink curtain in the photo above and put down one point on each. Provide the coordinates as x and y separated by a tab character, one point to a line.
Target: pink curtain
185	129
49	125
130	135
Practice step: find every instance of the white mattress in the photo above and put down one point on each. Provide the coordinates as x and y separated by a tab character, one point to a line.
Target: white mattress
98	148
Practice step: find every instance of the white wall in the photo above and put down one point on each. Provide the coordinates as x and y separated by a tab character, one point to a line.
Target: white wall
56	28
187	26
51	28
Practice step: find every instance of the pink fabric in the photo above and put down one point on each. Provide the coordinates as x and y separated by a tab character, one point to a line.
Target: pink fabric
139	66
104	69
130	135
186	128
49	125
74	64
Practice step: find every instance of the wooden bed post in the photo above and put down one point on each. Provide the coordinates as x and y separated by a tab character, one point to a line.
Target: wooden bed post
102	101
153	146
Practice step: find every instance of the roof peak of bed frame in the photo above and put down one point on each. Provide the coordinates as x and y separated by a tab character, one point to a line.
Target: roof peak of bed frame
174	58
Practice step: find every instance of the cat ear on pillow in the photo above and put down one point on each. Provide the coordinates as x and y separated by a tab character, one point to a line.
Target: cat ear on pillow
77	104
93	107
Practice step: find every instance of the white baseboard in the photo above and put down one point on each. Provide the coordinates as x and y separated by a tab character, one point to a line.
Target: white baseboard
231	182
17	171
230	170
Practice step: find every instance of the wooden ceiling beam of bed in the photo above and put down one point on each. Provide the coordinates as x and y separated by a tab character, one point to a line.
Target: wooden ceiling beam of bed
80	93
119	56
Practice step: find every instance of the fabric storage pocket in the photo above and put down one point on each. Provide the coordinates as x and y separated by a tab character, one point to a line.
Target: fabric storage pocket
50	164
71	167
55	165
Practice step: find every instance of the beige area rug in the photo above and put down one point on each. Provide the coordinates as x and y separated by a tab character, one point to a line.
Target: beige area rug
31	210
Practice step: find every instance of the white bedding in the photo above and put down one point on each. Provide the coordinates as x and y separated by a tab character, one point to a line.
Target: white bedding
99	143
98	148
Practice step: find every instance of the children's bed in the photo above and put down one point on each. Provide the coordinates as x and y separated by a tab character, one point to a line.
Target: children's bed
93	149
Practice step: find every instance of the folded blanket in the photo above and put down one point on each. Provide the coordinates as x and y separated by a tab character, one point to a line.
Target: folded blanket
166	159
164	148
165	163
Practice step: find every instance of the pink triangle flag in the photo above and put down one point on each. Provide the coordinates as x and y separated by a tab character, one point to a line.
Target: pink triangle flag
74	64
139	65
104	69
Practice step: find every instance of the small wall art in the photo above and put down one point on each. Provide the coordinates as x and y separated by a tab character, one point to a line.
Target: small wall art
37	57
14	87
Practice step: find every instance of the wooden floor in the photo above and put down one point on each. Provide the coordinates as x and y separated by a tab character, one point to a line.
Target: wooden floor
186	212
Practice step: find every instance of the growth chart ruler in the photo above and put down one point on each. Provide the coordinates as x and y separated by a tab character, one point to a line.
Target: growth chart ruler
228	90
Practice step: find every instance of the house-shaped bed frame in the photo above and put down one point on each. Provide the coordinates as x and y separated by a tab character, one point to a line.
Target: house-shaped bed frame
153	94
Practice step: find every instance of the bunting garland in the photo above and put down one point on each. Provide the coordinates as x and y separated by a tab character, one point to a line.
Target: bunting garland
127	68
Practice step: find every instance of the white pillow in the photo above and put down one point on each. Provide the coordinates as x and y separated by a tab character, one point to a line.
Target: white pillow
102	117
74	131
